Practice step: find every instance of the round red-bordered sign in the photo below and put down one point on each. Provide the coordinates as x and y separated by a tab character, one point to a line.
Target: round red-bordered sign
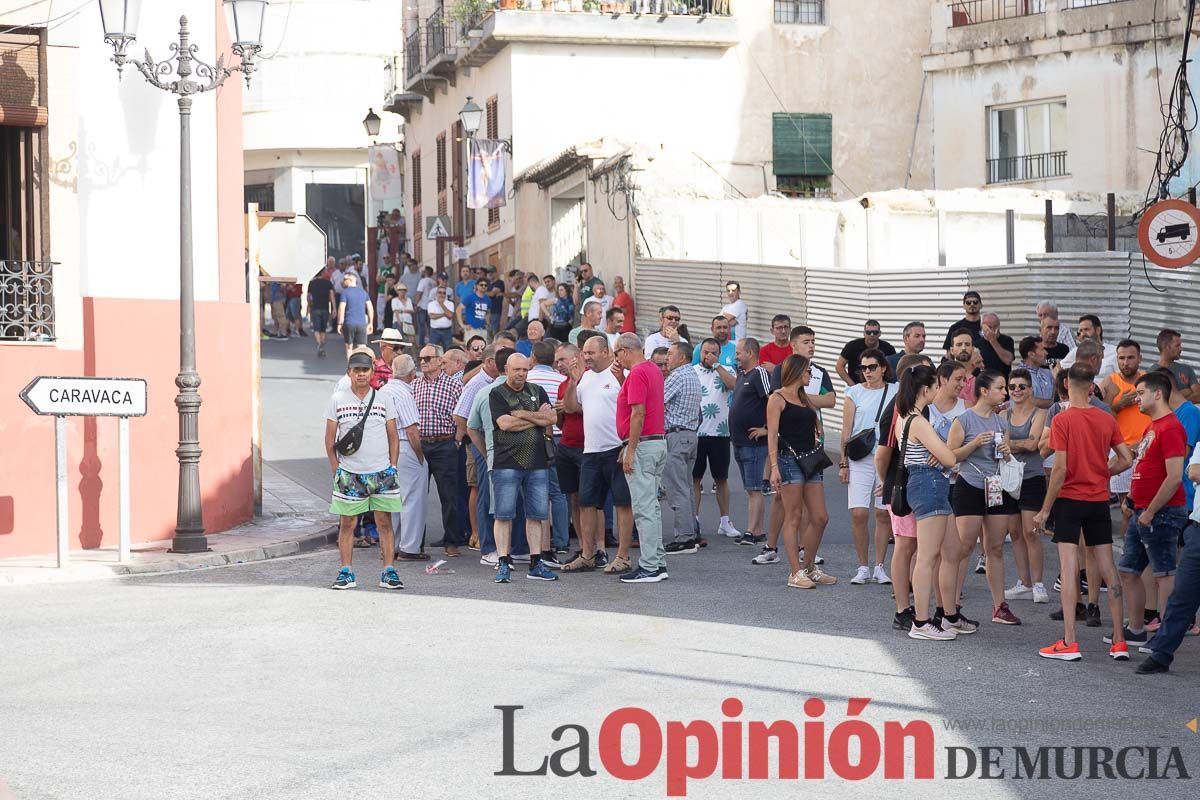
1169	233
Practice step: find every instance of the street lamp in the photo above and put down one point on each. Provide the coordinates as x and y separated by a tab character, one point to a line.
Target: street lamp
245	17
471	117
371	123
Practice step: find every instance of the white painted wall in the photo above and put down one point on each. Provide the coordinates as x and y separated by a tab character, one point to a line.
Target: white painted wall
114	162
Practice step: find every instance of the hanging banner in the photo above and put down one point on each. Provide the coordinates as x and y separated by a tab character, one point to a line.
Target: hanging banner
485	179
385	172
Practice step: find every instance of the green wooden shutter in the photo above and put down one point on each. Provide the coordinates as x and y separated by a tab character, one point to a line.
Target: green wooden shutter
803	144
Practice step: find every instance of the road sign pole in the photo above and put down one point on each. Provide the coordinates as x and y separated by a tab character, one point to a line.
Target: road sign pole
60	475
123	489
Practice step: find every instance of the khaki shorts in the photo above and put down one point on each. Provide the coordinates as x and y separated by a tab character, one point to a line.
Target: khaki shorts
471	479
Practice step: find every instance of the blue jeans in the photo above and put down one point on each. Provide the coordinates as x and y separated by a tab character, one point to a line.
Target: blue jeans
751	460
483	510
560	513
531	484
1184	601
928	492
1153	546
440	337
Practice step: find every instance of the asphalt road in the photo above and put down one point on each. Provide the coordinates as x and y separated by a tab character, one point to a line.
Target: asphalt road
257	681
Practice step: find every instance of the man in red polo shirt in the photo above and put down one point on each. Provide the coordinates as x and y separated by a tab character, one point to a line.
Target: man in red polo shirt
641	424
777	351
1078	493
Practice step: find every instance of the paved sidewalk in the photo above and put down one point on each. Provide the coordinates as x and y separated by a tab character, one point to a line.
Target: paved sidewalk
294	520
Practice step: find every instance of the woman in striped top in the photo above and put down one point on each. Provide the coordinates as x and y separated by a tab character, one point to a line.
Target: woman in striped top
928	494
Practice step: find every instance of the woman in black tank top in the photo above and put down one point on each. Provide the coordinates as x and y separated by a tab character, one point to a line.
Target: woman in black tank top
793	430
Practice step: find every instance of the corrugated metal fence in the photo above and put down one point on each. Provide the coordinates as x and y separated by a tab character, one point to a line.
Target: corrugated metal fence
1114	286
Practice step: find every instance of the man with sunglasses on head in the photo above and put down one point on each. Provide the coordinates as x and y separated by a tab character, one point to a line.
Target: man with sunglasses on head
668	333
851	355
972	319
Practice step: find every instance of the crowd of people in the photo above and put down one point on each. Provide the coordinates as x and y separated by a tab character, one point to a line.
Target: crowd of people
539	428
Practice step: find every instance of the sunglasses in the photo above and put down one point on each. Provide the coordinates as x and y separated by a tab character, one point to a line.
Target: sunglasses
871	333
427	358
971	302
870	367
1017	387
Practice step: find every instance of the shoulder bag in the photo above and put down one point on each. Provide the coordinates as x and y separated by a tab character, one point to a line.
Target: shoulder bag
812	462
351	440
860	445
900	506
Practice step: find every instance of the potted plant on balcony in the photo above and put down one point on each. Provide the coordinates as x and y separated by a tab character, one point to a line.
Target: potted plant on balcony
506	5
469	15
591	6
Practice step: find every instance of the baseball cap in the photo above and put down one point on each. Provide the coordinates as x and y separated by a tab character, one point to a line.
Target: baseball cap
361	357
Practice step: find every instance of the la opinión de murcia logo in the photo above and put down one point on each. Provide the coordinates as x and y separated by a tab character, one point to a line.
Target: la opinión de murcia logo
851	749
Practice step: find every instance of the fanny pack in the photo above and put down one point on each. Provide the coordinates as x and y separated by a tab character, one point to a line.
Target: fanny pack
351	440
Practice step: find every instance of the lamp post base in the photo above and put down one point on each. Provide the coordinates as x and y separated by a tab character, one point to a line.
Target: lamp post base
189	542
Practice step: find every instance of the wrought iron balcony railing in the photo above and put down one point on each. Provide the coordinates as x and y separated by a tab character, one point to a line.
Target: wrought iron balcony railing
1027	168
412	55
439	36
26	301
971	12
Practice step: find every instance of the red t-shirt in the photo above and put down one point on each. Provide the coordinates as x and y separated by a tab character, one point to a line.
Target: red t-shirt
774	354
643	386
625	302
1165	438
571	425
1087	434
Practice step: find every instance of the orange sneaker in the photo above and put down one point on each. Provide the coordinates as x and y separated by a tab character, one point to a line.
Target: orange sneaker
1061	651
1119	652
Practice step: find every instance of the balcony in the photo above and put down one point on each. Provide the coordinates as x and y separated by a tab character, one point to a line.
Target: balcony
440	45
1040	166
412	56
26	301
973	12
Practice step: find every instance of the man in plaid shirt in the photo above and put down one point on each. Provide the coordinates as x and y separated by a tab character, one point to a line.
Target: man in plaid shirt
436	395
681	393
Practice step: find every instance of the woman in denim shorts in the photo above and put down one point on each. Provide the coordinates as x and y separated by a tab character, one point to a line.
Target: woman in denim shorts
928	494
794	430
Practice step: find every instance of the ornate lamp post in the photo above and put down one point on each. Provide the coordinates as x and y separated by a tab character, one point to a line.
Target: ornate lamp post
185	75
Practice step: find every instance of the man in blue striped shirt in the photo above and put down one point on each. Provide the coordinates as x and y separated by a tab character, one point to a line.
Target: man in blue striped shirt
681	393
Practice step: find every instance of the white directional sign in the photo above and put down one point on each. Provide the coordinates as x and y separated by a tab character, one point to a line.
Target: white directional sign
86	397
437	227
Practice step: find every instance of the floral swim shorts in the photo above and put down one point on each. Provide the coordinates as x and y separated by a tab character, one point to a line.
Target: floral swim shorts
355	493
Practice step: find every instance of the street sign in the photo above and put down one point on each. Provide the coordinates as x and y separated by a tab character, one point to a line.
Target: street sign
86	397
459	254
437	227
1169	233
291	245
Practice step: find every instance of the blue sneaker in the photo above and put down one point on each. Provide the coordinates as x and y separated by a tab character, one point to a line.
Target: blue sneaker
503	572
541	573
643	575
390	579
345	579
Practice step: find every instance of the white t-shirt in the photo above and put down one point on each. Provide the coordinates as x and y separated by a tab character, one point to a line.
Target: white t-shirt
540	294
402	314
346	409
597	393
441	322
657	340
605	304
867	404
714	403
737	310
428	288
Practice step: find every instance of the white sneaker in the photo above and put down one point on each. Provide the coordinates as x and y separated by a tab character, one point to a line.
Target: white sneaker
521	559
728	530
818	560
1019	591
489	559
862	576
880	575
1040	595
769	555
931	632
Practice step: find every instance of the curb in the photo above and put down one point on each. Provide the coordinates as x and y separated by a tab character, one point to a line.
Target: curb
303	544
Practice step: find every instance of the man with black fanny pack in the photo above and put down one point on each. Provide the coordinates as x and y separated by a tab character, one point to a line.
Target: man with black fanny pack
362	445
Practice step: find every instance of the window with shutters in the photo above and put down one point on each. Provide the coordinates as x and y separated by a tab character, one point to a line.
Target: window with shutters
416	179
493	132
441	162
26	273
457	184
802	151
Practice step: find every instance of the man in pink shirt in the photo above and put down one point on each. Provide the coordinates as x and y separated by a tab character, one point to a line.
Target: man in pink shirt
641	424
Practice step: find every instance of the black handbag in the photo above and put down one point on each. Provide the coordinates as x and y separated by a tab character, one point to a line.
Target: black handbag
900	506
860	445
814	462
351	440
